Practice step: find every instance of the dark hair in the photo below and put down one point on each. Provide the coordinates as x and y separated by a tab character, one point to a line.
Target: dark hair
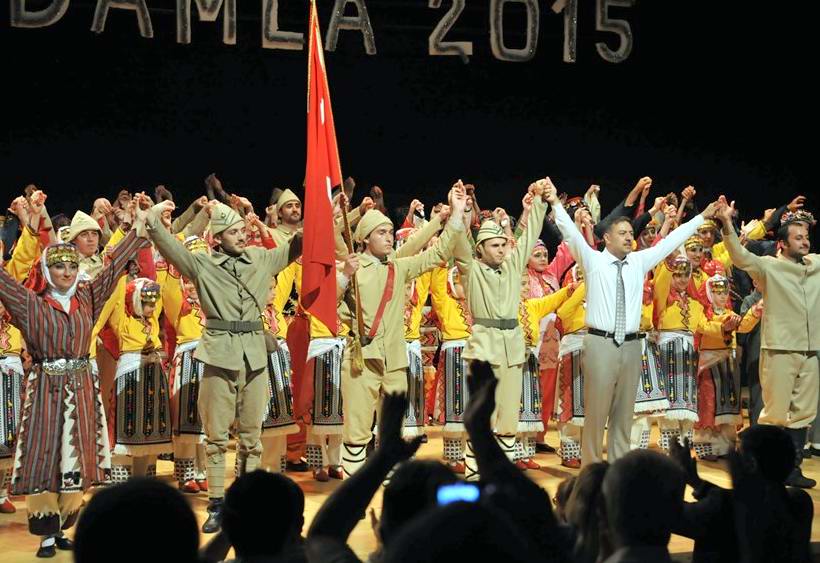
643	494
412	490
782	234
262	513
562	495
585	513
59	221
140	504
772	450
461	532
617	221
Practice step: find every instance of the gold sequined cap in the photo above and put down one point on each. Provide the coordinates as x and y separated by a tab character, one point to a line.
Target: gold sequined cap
681	265
799	216
60	253
693	242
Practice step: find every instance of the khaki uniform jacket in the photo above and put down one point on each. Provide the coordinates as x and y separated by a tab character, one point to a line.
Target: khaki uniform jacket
496	294
221	296
791	297
389	344
281	236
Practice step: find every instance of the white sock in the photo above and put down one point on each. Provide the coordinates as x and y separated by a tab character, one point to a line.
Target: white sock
48	541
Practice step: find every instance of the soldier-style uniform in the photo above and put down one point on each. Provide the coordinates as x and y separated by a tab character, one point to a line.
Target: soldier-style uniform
493	297
81	222
233	345
281	235
385	358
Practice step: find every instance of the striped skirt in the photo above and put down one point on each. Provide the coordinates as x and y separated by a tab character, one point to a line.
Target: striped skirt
11	405
142	424
718	389
569	387
187	374
456	393
529	417
62	444
326	414
279	410
679	362
414	416
651	397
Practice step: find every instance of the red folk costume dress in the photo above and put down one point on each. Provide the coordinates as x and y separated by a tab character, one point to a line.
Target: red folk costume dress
62	447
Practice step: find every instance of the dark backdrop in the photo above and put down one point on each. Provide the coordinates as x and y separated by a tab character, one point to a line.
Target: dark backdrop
715	94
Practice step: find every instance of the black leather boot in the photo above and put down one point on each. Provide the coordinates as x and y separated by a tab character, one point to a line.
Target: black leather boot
214	521
796	477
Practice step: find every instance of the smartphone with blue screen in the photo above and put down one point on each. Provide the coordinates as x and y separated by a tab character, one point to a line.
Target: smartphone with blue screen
458	492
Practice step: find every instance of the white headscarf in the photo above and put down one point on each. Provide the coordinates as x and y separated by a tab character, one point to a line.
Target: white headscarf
63	298
716	278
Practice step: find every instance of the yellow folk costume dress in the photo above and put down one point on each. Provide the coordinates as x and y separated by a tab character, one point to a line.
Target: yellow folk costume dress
719	412
680	317
530	423
142	412
568	409
455	322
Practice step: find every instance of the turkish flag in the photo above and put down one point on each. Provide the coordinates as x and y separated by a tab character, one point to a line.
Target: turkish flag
322	174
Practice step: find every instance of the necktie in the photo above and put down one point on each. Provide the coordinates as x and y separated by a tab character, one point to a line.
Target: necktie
620	306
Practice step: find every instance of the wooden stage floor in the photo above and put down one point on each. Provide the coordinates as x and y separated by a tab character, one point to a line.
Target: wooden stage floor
17	546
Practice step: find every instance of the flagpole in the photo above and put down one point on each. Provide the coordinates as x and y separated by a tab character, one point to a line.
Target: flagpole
363	339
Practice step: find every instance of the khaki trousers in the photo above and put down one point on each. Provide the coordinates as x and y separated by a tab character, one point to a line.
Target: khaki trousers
507	399
225	396
611	375
48	513
361	392
789	382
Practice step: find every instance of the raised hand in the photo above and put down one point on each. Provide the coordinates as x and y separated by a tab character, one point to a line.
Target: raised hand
641	189
351	265
658	205
123	199
37	202
443	212
731	322
415	205
391	443
725	211
253	219
500	216
366	205
526	202
550	194
683	456
688	193
797	203
20	207
537	188
161	193
245	204
101	208
714	209
481	383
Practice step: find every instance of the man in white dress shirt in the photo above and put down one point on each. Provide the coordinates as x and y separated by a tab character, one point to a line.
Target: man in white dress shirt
612	352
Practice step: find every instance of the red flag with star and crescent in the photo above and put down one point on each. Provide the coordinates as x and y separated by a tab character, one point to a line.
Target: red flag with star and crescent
323	173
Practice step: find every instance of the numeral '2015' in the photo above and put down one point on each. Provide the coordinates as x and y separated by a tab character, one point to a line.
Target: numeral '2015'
500	50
